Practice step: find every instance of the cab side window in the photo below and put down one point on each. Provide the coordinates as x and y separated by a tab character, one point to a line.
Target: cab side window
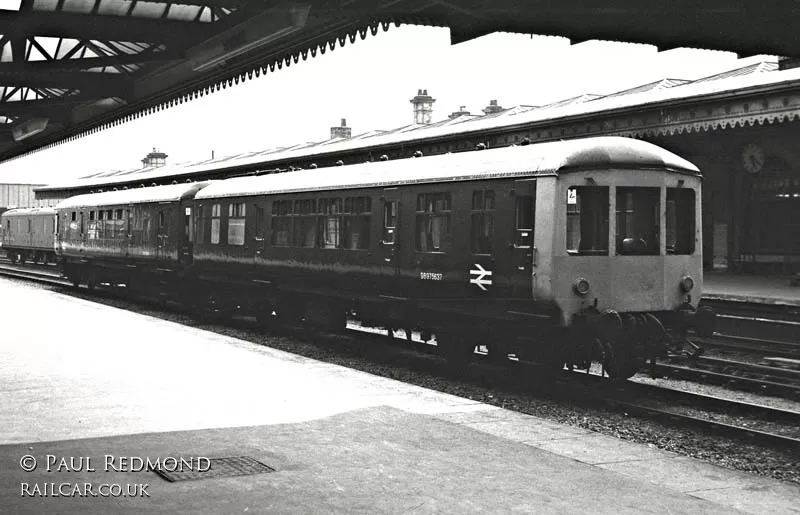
680	221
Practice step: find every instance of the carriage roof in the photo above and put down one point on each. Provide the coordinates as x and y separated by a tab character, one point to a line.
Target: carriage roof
28	211
170	193
552	158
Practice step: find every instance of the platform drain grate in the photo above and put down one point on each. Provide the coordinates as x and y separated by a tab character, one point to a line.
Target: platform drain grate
218	467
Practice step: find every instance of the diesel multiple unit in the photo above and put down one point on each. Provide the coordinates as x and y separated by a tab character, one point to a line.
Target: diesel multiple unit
567	252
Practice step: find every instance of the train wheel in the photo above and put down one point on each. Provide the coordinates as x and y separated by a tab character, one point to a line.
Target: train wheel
264	315
14	257
497	353
326	316
289	312
617	361
456	350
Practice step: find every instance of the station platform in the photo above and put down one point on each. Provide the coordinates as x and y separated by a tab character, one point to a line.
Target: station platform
757	289
83	380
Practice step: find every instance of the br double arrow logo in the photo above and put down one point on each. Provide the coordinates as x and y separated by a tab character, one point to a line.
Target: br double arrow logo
480	277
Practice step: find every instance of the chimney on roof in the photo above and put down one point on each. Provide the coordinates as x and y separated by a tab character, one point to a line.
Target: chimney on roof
492	108
423	107
342	131
462	111
154	159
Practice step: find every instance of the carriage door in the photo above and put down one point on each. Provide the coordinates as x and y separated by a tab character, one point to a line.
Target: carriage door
523	251
186	247
390	242
259	232
164	246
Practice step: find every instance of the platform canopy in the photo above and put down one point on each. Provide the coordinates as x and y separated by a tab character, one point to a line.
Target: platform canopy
68	67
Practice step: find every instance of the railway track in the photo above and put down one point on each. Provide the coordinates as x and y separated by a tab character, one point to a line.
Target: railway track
739	321
738	375
752	422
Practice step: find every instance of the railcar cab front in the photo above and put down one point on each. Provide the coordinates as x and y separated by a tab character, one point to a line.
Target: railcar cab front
626	258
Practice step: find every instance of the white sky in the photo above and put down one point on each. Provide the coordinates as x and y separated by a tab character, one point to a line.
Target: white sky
370	83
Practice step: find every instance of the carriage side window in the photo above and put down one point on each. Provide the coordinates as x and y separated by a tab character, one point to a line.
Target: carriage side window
305	223
74	216
236	223
638	221
91	215
200	224
680	221
523	221
357	222
482	222
433	222
216	211
331	223
390	222
281	223
587	221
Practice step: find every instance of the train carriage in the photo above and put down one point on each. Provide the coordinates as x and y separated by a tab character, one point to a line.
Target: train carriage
136	237
28	234
559	251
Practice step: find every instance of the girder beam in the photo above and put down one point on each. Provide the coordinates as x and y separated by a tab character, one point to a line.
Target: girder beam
105	84
93	26
87	62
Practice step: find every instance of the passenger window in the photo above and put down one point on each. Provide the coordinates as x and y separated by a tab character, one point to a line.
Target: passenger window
523	221
390	222
587	221
200	224
331	223
215	214
482	222
236	223
433	222
305	223
91	215
357	222
680	221
638	221
281	223
74	216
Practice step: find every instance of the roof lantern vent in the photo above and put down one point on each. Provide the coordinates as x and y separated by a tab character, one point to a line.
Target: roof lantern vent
154	159
343	131
462	111
492	108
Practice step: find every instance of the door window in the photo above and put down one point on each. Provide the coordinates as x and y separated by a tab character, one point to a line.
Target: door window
587	220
